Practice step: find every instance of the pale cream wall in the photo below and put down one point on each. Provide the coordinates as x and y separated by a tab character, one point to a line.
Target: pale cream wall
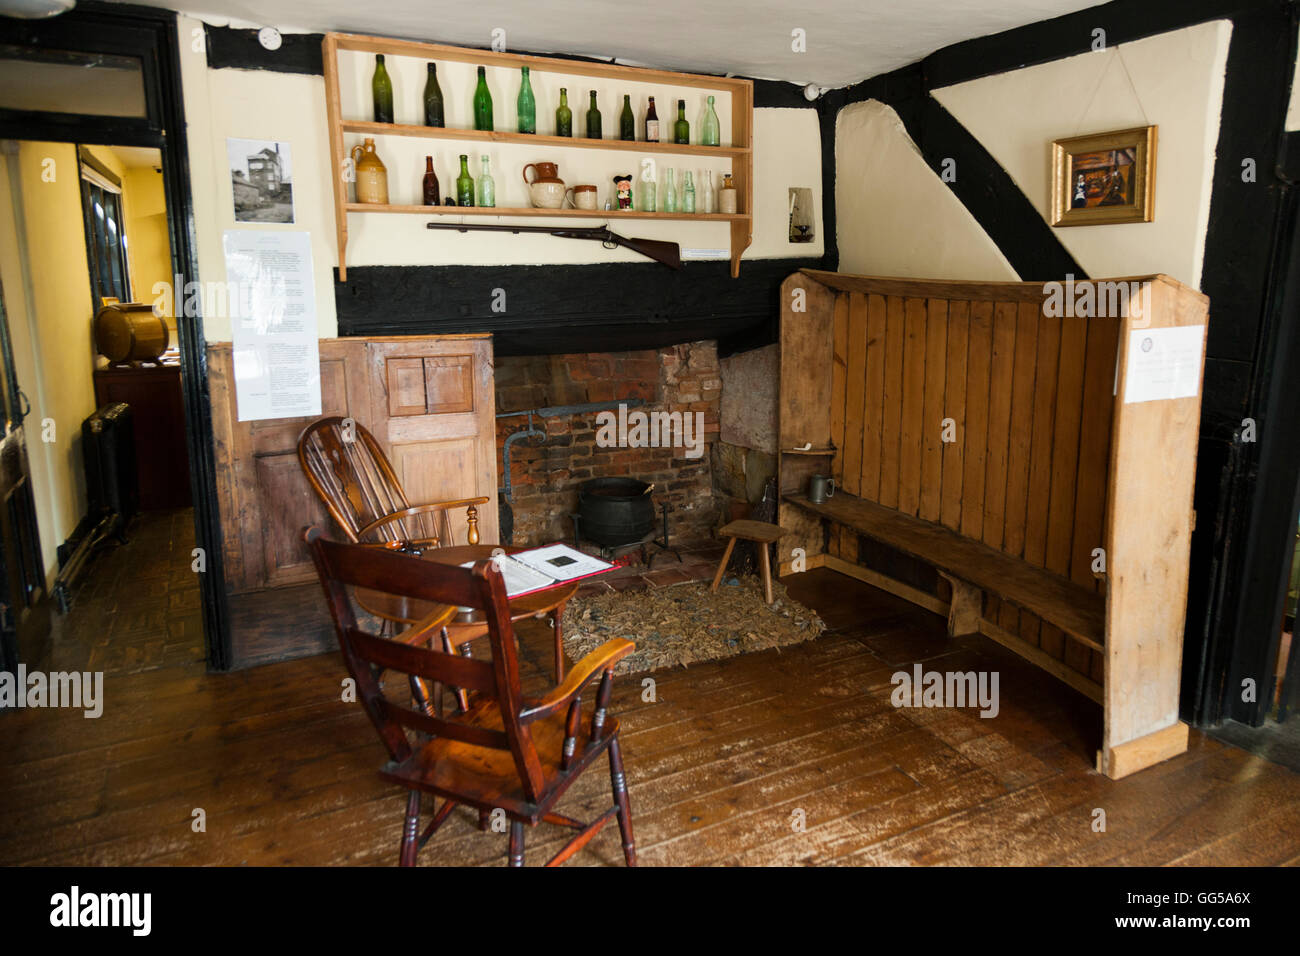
148	245
290	108
22	333
1173	80
51	328
1293	108
894	216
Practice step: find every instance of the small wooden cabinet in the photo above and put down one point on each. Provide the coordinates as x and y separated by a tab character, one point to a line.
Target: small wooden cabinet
158	422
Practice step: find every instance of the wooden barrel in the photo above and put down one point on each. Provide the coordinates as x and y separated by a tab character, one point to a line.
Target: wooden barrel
126	332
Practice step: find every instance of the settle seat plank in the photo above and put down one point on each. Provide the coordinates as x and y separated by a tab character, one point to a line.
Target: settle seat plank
1076	610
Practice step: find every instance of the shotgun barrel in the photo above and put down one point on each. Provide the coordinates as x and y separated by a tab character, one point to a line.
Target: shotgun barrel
667	253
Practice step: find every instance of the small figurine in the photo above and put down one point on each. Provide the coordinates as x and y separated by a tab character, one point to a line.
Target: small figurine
623	190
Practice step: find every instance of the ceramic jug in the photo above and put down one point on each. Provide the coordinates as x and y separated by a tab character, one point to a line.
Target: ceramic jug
372	175
546	189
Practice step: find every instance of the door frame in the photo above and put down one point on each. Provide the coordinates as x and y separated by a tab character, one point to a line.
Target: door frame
151	35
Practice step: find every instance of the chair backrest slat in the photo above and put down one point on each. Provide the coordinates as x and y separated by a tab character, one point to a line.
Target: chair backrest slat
341	566
456	671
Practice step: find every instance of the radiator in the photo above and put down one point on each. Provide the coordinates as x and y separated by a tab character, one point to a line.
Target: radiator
108	454
108	447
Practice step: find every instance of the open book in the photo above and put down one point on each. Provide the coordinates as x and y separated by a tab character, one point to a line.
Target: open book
545	567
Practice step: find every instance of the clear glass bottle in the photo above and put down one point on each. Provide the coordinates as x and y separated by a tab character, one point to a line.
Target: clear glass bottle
709	130
485	190
670	192
527	105
710	198
688	193
648	189
464	184
482	103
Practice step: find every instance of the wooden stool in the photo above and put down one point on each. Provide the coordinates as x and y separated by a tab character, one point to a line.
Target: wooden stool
762	534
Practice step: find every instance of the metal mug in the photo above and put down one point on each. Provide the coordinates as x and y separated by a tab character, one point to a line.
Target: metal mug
820	487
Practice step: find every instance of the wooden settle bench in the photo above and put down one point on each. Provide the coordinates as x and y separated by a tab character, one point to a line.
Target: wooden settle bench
1011	467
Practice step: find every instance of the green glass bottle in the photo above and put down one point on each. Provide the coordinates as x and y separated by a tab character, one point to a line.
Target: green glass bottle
485	192
563	115
593	119
464	184
681	129
382	89
627	121
710	130
433	111
482	103
688	194
527	105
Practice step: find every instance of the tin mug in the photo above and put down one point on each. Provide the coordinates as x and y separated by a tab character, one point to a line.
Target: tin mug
820	487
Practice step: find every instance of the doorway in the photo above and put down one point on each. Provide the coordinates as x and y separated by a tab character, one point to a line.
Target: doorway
106	79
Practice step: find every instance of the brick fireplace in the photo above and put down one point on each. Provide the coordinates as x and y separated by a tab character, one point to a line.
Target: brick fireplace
545	475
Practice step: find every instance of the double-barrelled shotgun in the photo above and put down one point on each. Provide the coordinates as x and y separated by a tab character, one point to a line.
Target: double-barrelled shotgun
667	253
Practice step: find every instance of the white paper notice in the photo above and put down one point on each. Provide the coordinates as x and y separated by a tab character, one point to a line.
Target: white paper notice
1163	363
271	295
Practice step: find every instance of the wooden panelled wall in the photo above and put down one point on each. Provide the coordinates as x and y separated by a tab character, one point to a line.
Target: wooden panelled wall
1027	401
430	403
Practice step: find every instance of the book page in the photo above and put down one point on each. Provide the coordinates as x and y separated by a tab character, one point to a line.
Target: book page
562	562
519	578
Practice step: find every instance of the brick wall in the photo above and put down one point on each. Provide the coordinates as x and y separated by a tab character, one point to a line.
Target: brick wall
545	477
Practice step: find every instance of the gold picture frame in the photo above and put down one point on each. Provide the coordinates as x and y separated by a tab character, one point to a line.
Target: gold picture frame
1104	178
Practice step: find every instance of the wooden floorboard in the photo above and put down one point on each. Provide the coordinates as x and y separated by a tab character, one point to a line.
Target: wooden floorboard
790	758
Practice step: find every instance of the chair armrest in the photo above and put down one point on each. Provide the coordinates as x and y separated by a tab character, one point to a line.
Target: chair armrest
427	626
601	659
468	503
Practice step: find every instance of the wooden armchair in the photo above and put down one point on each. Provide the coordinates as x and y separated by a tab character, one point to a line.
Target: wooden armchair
500	750
348	469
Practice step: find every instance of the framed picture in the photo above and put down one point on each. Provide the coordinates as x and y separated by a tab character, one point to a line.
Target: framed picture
1104	178
261	180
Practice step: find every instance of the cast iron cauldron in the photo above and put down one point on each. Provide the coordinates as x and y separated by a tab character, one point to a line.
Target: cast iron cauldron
615	511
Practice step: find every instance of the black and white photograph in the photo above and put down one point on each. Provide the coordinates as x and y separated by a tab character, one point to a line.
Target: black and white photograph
261	180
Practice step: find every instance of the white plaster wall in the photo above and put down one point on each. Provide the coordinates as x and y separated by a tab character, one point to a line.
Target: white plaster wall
1293	108
894	216
1173	80
291	108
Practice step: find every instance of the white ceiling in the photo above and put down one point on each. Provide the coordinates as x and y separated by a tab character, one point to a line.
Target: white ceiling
847	40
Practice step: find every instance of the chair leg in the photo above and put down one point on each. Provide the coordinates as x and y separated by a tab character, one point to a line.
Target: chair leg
722	565
764	562
411	830
556	617
516	843
618	783
484	818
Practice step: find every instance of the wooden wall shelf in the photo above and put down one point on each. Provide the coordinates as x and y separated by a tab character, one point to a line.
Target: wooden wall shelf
740	151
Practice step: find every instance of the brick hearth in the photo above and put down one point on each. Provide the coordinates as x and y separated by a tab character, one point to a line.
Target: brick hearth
545	478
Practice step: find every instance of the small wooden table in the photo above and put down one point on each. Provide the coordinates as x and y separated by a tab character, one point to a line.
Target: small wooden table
463	627
762	534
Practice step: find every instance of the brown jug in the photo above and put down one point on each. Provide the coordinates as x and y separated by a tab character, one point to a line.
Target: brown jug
546	188
372	175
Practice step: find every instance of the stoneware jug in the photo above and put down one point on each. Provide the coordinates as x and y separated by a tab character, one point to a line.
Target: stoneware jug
372	175
546	188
